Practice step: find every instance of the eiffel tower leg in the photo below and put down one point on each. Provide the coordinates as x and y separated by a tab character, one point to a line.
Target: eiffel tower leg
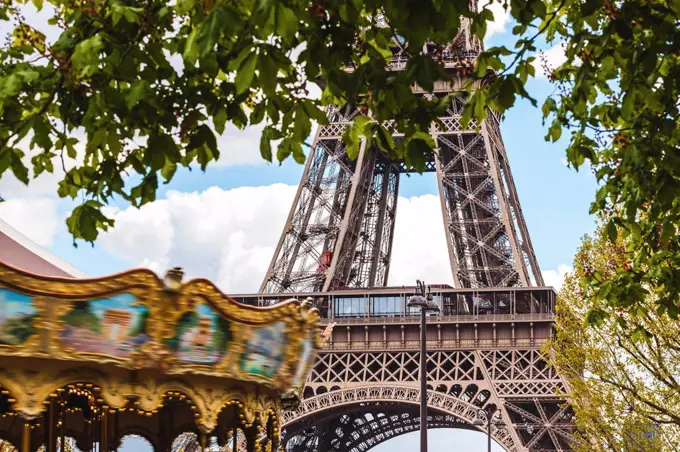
486	234
526	389
338	274
510	205
317	247
370	265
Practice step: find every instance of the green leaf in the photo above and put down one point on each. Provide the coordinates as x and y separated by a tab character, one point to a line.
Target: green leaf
284	149
612	231
113	141
220	119
425	137
596	317
41	133
165	145
286	22
246	73
136	93
351	136
549	106
265	146
86	58
18	168
86	220
11	85
205	144
168	170
555	131
191	49
640	334
268	73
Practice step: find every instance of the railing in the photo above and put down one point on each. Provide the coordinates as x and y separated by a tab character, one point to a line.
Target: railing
540	317
448	59
435	344
389	304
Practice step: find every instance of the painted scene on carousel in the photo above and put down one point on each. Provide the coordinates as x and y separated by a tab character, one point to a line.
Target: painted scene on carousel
132	319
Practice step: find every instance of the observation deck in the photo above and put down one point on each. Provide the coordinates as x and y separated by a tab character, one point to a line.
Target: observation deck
378	318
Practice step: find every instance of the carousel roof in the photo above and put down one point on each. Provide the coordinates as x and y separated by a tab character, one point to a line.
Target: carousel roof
19	251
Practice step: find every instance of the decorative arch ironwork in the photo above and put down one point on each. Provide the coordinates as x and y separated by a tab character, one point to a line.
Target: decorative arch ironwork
389	400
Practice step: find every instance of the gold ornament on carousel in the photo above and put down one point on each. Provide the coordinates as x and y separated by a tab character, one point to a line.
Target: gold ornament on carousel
86	362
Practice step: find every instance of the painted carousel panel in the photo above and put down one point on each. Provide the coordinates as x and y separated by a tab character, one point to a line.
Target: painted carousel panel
115	326
307	347
16	317
201	336
264	350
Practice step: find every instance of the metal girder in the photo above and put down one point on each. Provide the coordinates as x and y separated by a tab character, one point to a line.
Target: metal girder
346	390
340	229
361	430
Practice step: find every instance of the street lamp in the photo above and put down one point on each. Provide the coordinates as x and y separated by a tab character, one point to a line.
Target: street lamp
423	300
490	412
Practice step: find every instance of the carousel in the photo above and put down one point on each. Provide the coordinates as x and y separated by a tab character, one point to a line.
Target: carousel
87	362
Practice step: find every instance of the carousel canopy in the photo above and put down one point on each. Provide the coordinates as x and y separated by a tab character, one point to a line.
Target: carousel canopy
19	251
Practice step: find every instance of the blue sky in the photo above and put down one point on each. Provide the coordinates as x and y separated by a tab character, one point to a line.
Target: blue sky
223	224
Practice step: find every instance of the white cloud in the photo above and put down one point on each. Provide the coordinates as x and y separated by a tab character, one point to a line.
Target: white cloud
549	60
555	278
501	17
140	234
33	209
419	250
225	235
229	236
239	147
36	217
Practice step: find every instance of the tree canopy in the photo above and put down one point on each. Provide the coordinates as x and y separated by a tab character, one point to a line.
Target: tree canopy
624	387
149	83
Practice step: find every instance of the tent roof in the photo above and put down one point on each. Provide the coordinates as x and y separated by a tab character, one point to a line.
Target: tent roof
20	252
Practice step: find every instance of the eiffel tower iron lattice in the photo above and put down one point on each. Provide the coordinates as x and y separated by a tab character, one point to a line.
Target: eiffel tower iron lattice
484	345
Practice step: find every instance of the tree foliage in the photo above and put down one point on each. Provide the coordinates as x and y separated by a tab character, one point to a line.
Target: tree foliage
150	82
623	369
620	97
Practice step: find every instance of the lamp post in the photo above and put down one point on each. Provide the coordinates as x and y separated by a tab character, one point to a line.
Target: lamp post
490	412
423	300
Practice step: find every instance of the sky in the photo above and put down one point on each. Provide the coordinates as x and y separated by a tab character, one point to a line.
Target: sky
223	224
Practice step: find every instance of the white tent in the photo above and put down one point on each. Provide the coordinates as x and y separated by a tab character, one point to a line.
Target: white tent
20	252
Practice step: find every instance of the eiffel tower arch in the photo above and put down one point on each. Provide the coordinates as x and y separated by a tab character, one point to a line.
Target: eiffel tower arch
484	347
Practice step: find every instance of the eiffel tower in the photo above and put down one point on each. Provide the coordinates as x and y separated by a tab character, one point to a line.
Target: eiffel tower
484	345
